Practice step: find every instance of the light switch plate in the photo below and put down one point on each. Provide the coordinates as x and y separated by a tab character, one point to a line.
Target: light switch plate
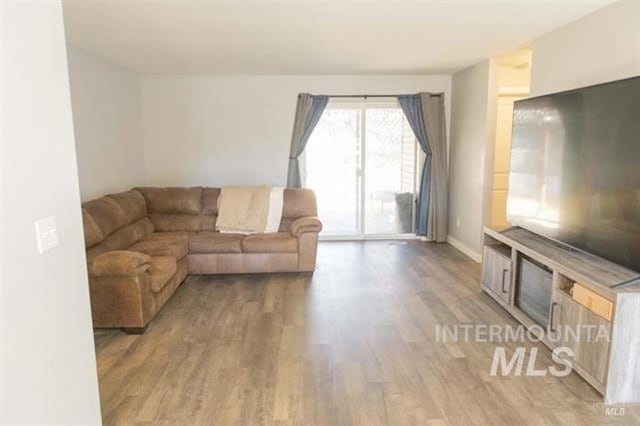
46	234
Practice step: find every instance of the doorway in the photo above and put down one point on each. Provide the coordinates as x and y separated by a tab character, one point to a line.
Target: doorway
514	74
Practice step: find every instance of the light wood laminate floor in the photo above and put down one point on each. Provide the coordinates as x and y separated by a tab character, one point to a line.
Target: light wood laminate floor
354	344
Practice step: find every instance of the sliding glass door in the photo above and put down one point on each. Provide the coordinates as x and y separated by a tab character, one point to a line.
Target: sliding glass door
361	162
332	167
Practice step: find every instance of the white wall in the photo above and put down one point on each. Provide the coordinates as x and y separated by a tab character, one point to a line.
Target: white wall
221	130
602	46
48	368
473	110
107	122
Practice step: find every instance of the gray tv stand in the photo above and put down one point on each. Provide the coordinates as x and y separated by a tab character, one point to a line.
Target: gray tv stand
586	291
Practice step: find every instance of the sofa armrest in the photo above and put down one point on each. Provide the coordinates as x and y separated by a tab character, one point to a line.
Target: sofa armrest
119	263
305	224
119	301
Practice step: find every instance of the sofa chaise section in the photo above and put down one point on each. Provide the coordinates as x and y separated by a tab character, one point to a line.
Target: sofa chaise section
128	286
141	244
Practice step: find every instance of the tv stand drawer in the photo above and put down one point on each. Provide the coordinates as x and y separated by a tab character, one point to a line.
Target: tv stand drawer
592	301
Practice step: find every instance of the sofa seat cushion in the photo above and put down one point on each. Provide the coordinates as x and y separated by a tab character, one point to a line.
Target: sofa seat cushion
276	242
177	247
215	242
164	267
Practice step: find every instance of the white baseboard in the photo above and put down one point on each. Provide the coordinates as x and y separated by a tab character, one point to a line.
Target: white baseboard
464	248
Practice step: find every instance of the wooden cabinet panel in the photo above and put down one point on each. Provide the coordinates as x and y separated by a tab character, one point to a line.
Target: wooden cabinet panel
564	314
587	334
496	273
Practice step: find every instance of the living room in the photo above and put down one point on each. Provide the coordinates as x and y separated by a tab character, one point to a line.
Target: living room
319	213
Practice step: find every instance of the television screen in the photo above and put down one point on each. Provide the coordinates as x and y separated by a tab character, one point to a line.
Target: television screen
575	169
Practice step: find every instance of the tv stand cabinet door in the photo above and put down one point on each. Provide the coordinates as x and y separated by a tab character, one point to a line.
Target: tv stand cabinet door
496	273
584	332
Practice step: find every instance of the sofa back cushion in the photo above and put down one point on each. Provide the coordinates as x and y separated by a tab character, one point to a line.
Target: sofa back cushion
92	233
114	222
210	201
209	208
174	209
172	200
106	213
132	204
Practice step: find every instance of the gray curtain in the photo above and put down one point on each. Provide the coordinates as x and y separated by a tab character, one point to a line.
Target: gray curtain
438	211
412	107
308	112
425	114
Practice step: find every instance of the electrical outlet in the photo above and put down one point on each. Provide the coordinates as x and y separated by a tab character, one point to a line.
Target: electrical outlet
458	222
46	234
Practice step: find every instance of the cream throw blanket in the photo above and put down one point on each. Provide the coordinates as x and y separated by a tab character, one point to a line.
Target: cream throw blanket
249	209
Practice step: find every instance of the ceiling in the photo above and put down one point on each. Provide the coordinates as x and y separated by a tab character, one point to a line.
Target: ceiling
310	37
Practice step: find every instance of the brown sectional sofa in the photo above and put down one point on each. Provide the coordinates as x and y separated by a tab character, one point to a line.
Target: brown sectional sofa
141	244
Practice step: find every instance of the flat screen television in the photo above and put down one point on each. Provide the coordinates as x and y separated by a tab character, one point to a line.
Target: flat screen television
575	169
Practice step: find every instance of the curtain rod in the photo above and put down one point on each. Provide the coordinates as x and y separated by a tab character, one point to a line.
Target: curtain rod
373	96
